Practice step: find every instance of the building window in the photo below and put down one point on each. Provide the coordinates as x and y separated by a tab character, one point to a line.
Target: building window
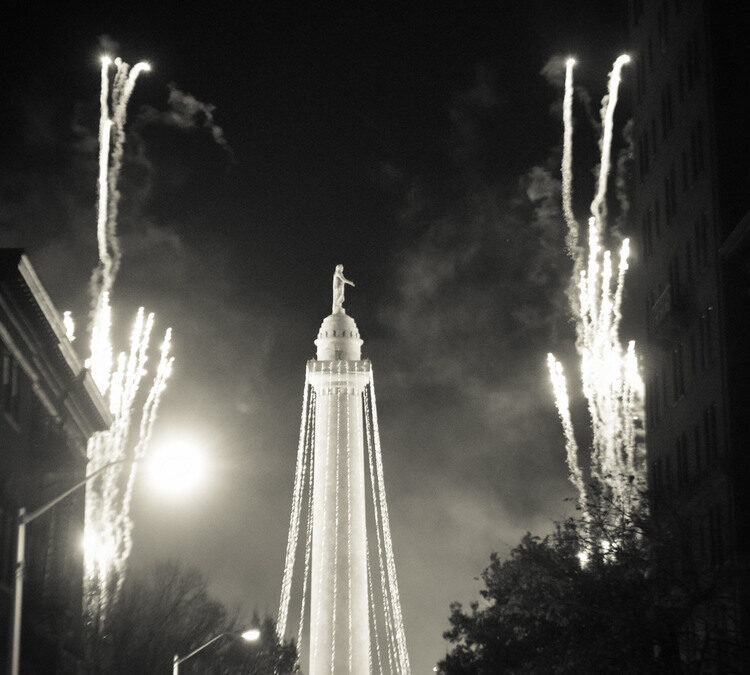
657	479
697	445
702	240
667	119
637	11
692	52
696	150
641	79
670	196
675	283
682	461
697	67
648	242
692	346
678	371
7	537
657	219
685	172
715	535
662	20
643	156
10	389
705	328
710	433
658	408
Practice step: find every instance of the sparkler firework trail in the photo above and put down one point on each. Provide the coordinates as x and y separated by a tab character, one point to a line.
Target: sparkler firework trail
610	379
108	526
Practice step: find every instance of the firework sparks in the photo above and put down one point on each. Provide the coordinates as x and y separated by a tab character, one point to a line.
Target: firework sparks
70	326
610	379
108	526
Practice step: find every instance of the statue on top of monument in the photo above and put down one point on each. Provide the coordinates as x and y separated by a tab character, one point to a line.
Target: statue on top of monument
339	281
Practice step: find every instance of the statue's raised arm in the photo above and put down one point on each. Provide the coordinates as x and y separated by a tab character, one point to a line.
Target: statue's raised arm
339	281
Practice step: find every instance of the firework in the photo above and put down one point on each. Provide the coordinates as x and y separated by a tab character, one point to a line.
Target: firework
610	380
108	526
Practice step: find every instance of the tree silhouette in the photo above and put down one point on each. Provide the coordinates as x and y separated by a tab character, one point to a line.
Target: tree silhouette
168	610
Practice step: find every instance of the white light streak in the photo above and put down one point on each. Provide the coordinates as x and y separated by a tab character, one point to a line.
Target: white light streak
108	526
69	325
610	380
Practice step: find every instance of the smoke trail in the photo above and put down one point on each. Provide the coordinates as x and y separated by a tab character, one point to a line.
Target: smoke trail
567	163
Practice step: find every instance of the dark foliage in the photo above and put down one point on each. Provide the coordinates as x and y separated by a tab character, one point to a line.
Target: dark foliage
641	601
169	611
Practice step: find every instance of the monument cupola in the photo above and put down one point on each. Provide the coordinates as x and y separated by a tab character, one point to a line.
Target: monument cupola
338	337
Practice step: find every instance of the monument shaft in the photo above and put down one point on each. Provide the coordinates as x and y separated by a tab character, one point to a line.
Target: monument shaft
339	618
338	436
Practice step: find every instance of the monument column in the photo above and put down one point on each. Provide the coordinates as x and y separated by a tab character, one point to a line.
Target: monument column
339	611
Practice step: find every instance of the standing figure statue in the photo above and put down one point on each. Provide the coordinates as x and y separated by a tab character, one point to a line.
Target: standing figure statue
339	281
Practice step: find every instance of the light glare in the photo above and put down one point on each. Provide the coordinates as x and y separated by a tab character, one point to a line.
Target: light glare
177	467
251	635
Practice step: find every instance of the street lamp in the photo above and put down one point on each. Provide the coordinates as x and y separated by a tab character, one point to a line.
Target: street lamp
250	635
177	466
23	520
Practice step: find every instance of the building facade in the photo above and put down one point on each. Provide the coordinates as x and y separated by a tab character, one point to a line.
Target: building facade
692	211
49	407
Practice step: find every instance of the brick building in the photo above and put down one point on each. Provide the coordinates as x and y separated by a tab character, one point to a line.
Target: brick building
692	210
49	407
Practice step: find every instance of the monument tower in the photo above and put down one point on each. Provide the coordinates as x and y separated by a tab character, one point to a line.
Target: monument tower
355	620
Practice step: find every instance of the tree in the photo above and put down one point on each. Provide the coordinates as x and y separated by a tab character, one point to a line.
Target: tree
599	595
167	610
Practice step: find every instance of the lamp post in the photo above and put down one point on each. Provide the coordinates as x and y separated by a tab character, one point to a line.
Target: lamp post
249	636
23	520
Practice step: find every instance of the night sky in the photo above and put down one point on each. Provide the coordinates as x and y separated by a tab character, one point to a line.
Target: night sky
417	146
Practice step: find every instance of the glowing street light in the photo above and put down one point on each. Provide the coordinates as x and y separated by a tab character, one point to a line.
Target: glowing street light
250	635
178	466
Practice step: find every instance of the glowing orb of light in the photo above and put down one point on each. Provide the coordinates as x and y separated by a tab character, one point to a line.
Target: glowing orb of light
106	60
625	58
251	635
570	62
178	466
